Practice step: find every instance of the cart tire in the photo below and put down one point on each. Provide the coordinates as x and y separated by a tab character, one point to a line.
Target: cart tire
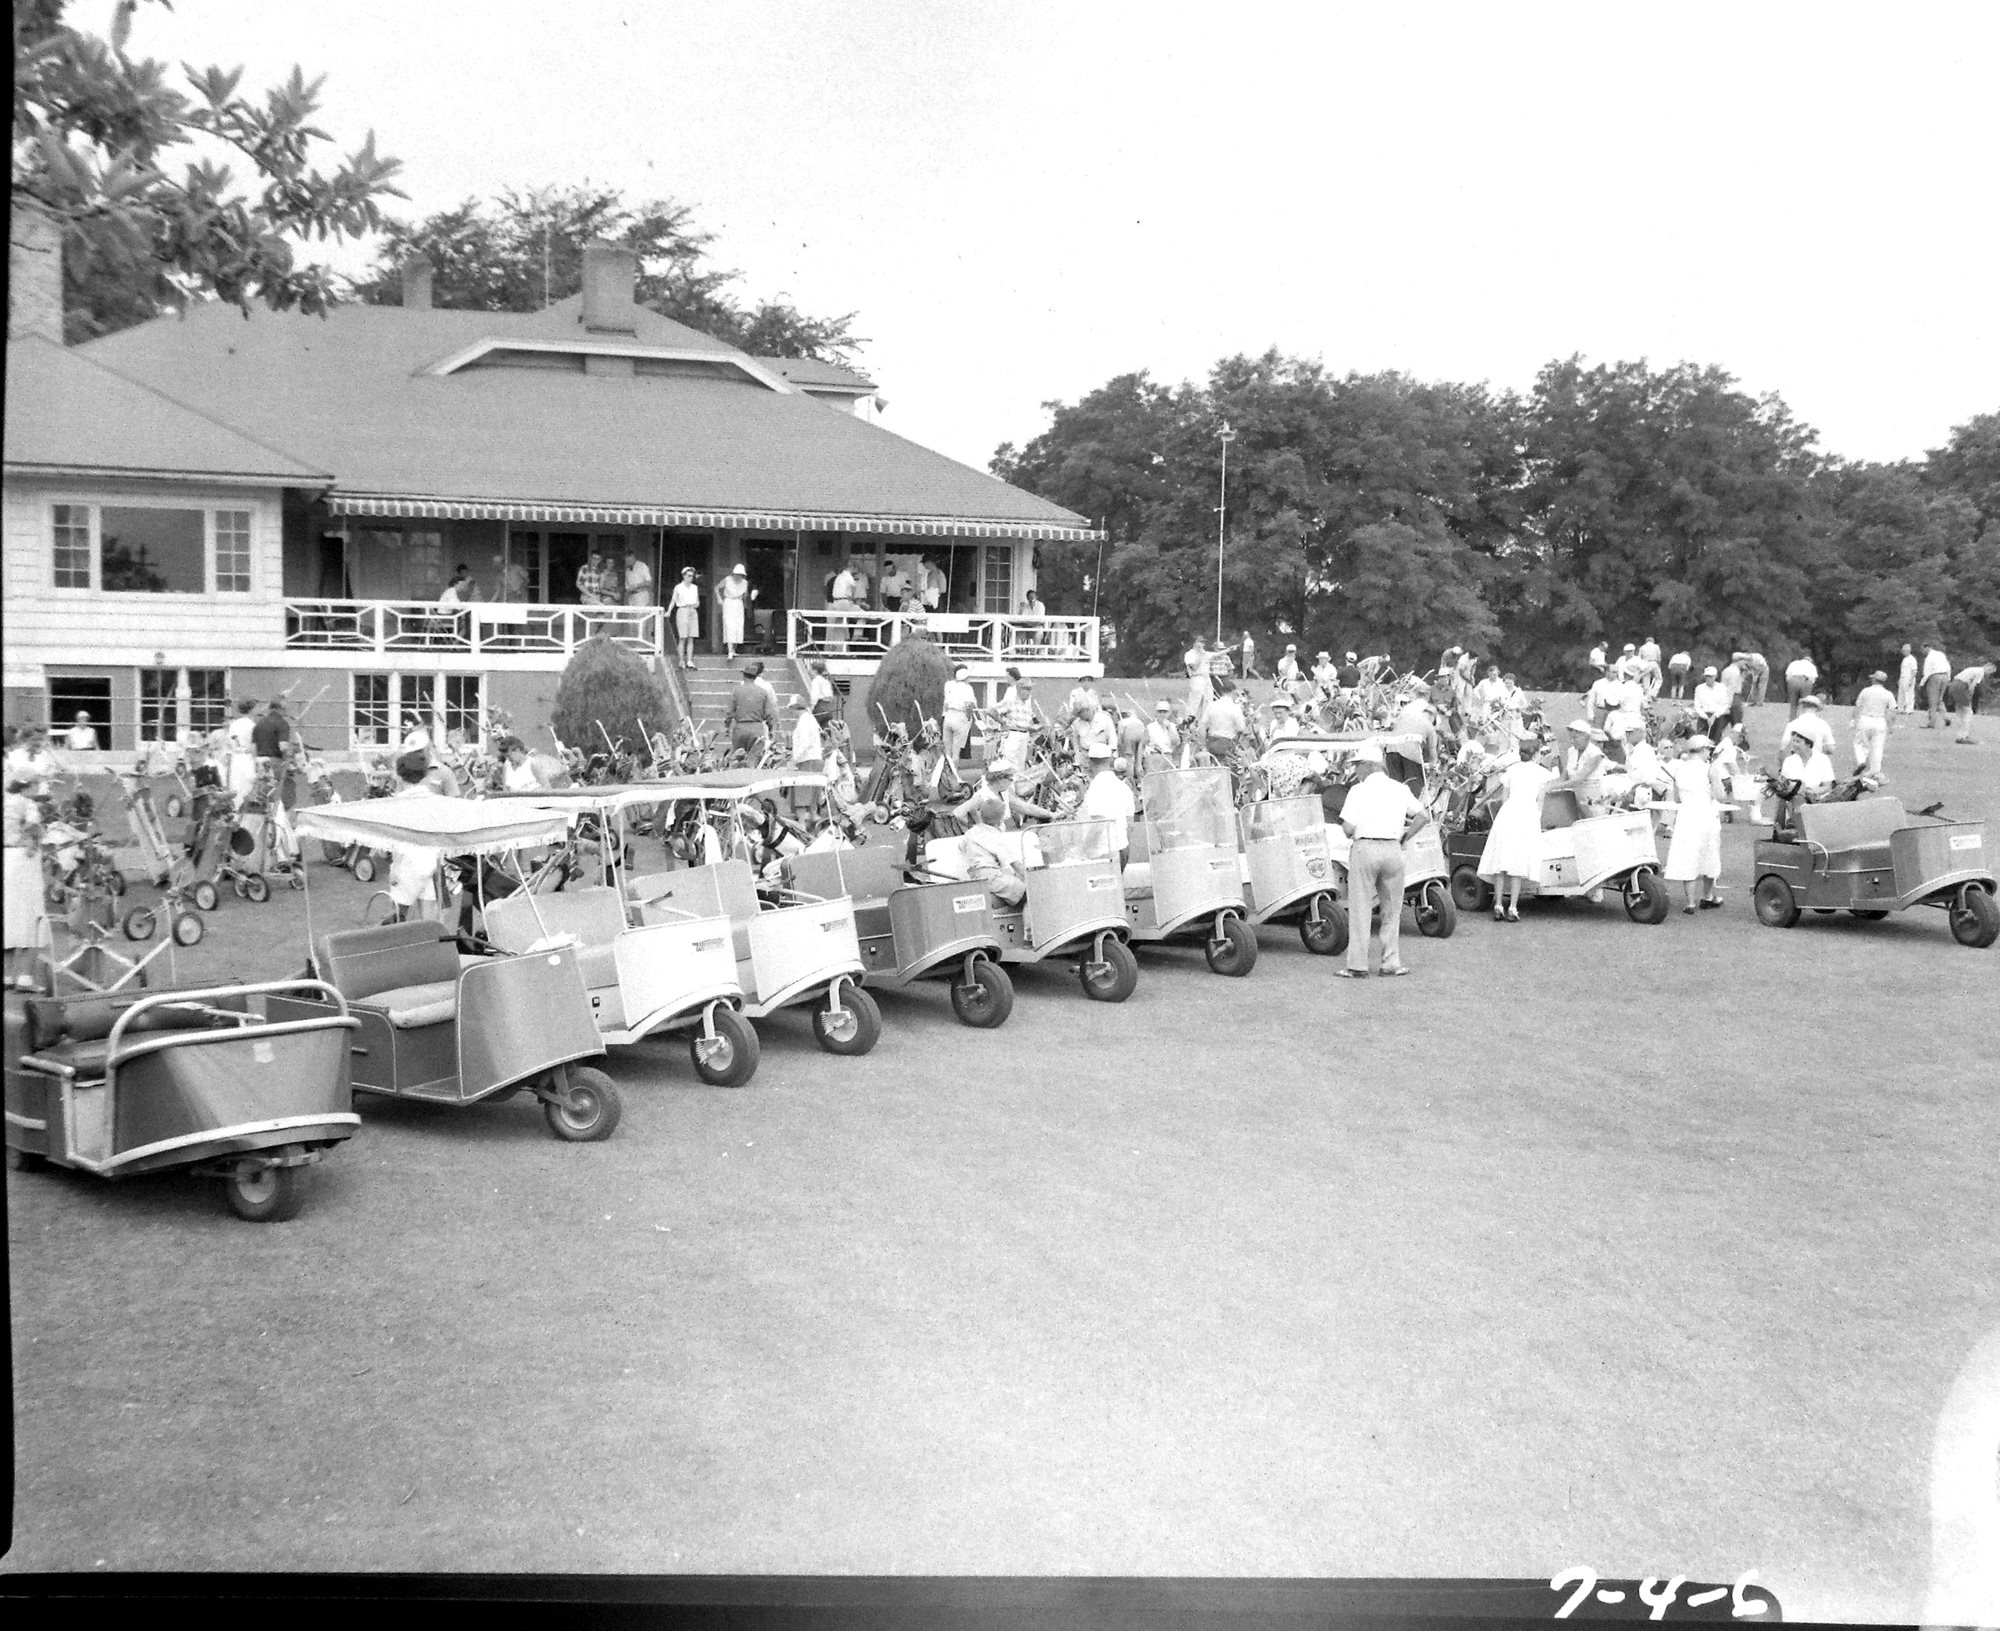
139	923
265	1194
984	1001
1325	936
257	888
1233	952
115	881
1117	977
331	853
1824	911
856	1030
1776	908
1975	918
1437	912
188	929
296	878
1867	914
175	807
589	1108
205	895
732	1057
364	869
1646	897
1469	891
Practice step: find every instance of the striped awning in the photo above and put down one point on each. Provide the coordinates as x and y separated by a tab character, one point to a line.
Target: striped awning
394	505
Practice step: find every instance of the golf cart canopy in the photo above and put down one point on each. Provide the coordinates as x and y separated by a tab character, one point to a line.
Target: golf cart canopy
457	826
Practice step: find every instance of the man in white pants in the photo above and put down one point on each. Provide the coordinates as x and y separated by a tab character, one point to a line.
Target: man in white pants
1873	710
1379	813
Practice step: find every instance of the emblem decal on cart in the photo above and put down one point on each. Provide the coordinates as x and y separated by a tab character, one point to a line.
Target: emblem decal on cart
1965	840
1316	867
968	903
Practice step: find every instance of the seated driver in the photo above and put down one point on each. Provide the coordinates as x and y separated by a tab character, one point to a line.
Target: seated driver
988	853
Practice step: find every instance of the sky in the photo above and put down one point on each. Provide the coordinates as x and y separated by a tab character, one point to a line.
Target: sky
1022	200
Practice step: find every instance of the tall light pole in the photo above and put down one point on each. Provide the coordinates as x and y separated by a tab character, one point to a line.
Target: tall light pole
1225	436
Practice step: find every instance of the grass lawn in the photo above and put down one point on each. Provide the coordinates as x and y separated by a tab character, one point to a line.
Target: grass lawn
1652	1249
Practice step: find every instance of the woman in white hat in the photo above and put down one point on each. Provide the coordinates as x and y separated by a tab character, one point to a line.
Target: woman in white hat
1513	852
731	594
1694	854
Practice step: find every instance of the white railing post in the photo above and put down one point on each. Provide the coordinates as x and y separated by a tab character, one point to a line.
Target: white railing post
381	639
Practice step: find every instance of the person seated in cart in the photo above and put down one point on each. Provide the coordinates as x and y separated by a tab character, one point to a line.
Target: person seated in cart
995	803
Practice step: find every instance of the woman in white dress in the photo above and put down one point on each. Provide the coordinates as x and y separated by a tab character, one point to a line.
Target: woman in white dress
1513	852
242	739
27	917
732	593
1694	854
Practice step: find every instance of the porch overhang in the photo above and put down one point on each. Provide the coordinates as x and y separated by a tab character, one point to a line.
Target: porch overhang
433	508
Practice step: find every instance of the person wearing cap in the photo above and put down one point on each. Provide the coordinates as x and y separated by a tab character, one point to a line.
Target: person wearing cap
1109	798
991	854
1694	854
1225	724
30	758
1874	711
1162	737
733	595
1756	678
1801	675
1711	703
1604	694
1284	717
1678	667
1962	697
1349	672
685	603
1813	722
82	735
1378	814
1806	762
1288	667
1906	683
1584	763
1090	724
960	700
1513	852
1597	658
750	714
1418	717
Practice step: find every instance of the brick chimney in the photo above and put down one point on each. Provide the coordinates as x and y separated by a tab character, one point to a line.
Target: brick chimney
608	276
34	272
417	283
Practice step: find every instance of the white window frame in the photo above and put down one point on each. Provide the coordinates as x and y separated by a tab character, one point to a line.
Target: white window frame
433	717
174	723
93	509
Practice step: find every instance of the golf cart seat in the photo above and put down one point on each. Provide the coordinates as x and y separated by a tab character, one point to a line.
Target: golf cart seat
721	889
1860	830
1560	809
406	972
73	1035
595	917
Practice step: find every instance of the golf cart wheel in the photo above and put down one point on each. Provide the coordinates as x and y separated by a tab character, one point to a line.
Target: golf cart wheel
115	881
260	1194
1112	979
1232	952
1867	914
1437	913
364	869
139	923
1469	891
1975	917
985	998
205	895
331	853
1773	900
257	888
296	878
1824	911
175	807
1324	927
729	1058
853	1028
188	929
1646	897
586	1108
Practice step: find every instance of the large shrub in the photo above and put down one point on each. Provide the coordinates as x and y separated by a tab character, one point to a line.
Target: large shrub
909	686
606	685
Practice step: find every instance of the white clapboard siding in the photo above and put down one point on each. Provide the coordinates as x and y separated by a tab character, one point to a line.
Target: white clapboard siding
83	627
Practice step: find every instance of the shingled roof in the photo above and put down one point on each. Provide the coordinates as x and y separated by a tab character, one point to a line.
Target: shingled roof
68	413
407	409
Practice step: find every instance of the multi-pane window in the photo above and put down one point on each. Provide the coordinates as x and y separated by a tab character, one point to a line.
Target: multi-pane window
416	702
461	705
208	699
997	579
158	717
72	546
372	709
232	551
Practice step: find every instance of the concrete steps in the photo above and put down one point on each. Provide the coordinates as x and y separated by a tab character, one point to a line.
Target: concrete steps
711	680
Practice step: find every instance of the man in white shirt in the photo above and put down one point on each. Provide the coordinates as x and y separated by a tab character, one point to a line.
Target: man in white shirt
1936	676
1812	724
1679	666
1801	675
1962	696
638	580
894	588
1200	686
1603	695
935	586
461	590
1873	711
842	599
1109	798
1161	736
81	737
1378	814
1091	726
1649	651
1906	683
1711	704
1597	658
1757	678
1288	667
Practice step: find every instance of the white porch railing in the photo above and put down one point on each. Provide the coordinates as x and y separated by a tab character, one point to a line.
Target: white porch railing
482	628
972	637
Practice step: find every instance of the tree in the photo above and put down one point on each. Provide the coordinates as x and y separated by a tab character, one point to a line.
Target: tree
908	687
93	128
522	251
604	695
